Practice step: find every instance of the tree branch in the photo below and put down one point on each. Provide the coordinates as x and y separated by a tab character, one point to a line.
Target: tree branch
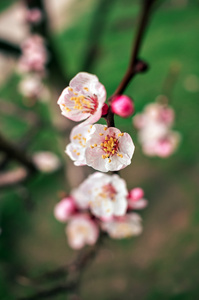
135	65
16	154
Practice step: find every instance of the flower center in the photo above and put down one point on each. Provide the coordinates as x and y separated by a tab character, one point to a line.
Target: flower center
85	103
107	192
81	139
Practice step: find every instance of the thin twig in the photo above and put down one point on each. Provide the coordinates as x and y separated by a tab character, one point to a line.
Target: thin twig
135	65
16	154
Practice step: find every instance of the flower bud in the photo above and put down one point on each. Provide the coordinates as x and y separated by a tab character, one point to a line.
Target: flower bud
122	106
64	209
136	194
104	109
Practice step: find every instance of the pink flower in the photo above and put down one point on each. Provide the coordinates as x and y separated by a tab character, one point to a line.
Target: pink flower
123	227
83	99
81	231
122	106
64	209
104	194
34	55
76	149
33	15
108	149
136	199
168	145
154	130
46	161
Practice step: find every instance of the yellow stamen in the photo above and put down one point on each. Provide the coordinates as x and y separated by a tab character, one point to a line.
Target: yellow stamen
70	89
101	134
109	160
105	128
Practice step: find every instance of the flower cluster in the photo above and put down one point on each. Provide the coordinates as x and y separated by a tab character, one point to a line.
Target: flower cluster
32	62
101	202
154	130
101	147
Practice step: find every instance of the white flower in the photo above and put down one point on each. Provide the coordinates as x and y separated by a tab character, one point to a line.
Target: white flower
154	130
108	149
31	86
104	194
46	161
81	230
127	226
76	149
83	99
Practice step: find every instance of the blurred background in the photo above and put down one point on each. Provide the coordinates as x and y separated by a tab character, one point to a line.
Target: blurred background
96	36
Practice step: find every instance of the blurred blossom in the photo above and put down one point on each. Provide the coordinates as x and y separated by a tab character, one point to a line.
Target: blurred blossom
108	149
83	99
154	130
105	195
33	15
64	209
34	55
123	227
136	199
81	231
46	161
31	86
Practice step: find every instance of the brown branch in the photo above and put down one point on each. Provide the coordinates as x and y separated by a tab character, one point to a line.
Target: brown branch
72	271
135	65
16	154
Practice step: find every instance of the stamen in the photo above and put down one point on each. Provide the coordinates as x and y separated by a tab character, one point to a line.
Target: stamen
101	134
105	128
120	134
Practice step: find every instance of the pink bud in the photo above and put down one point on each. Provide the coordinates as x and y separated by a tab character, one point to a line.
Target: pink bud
64	209
122	106
136	194
104	109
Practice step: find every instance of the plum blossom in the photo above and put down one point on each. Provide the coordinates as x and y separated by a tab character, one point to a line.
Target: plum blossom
108	149
83	98
33	15
81	231
123	227
64	209
154	130
46	161
31	86
136	199
34	55
76	149
105	195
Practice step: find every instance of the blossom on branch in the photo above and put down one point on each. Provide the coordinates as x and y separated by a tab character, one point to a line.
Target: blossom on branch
108	149
105	195
136	199
123	227
34	55
76	149
83	99
64	209
81	231
154	130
